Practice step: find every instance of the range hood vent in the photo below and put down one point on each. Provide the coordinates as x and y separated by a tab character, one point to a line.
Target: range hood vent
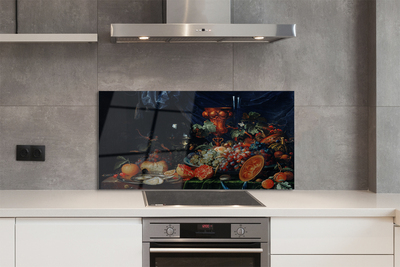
199	21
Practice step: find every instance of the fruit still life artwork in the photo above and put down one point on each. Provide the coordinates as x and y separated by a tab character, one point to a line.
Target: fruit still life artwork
229	140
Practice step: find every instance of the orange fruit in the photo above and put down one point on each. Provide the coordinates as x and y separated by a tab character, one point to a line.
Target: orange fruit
130	170
278	154
289	175
268	184
279	177
285	157
251	168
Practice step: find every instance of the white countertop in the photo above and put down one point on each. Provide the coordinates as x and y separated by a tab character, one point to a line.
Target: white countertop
126	203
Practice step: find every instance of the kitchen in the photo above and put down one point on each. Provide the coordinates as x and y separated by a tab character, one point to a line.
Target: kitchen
343	72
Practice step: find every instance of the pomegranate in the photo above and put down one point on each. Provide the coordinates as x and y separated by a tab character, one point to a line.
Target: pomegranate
204	172
184	171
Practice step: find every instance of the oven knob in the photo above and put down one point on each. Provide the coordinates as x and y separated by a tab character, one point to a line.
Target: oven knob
170	231
240	231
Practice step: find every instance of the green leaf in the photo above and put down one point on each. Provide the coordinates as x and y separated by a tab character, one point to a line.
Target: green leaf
253	129
284	186
254	115
287	169
120	161
197	126
205	129
209	126
237	133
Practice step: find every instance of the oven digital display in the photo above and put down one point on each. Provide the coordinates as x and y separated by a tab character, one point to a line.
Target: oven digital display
205	227
205	230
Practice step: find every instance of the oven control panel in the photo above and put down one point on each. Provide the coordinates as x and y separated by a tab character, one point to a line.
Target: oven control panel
165	230
239	230
207	229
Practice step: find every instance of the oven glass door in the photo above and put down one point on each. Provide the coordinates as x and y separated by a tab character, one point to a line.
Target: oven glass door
205	254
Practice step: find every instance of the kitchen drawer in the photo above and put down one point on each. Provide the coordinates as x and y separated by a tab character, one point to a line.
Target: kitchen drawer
332	235
7	243
78	242
331	260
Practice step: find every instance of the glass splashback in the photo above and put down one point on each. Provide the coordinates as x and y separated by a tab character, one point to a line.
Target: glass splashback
196	140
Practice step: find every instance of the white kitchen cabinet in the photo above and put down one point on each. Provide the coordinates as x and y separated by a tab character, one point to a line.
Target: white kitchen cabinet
397	246
332	260
347	236
7	242
78	242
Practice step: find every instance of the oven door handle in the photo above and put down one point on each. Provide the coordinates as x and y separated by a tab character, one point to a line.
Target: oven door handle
206	250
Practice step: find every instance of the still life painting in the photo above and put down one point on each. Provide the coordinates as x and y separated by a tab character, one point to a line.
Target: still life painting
226	140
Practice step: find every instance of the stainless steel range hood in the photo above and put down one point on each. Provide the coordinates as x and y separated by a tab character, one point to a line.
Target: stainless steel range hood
194	21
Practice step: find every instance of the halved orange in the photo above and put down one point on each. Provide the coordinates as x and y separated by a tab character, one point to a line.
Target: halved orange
251	168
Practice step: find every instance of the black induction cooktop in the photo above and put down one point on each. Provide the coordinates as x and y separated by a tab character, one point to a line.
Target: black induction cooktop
199	198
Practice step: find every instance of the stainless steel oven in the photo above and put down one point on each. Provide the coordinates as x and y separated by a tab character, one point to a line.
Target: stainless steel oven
206	242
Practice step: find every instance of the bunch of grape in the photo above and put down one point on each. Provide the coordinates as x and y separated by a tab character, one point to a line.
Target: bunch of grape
234	157
258	146
208	157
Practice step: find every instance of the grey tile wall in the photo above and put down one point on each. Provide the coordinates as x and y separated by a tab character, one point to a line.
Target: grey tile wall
57	16
7	16
327	67
165	67
126	11
48	96
70	136
48	74
48	92
388	149
331	148
387	96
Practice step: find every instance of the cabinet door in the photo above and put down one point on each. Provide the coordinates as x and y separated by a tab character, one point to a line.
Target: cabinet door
78	242
7	242
332	235
397	246
331	260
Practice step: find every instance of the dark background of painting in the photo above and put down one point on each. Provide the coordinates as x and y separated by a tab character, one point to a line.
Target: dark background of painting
129	120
